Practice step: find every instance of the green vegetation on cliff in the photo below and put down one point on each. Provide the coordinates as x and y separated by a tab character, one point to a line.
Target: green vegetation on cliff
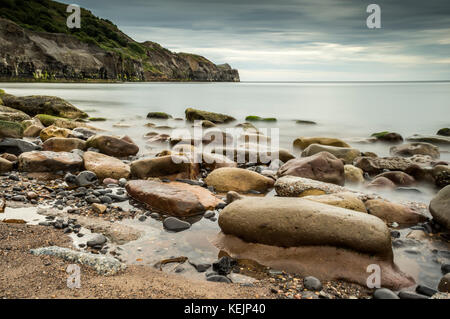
50	16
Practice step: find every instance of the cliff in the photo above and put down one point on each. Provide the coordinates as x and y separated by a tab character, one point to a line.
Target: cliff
35	44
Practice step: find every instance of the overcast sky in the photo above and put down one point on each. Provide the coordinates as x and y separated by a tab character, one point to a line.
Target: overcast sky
296	40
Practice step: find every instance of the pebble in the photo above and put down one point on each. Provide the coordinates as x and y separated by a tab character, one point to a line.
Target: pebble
312	283
98	239
410	295
174	224
424	290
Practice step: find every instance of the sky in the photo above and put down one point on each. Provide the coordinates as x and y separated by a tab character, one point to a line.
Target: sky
296	40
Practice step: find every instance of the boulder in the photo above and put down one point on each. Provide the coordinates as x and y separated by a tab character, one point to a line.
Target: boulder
113	146
344	200
214	161
290	222
346	154
390	137
322	166
16	146
32	127
441	175
158	115
392	212
353	174
381	182
10	129
434	139
175	198
61	144
105	166
398	178
237	179
38	104
168	166
54	131
10	157
5	165
440	207
45	161
48	120
12	115
444	131
376	165
304	142
197	115
418	148
293	186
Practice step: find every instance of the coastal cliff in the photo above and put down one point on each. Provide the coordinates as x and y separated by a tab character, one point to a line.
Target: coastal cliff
36	45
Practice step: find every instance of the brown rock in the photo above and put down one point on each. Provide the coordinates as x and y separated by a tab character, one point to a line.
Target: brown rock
54	131
440	207
353	174
290	222
99	208
322	166
45	161
398	178
170	166
418	148
376	165
9	157
176	199
60	144
237	179
392	212
304	142
5	165
113	146
105	166
381	182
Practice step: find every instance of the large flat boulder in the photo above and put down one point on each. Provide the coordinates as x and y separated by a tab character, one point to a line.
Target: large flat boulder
40	104
113	146
45	161
291	222
345	200
176	199
168	166
227	179
347	154
434	139
105	166
440	207
323	166
376	165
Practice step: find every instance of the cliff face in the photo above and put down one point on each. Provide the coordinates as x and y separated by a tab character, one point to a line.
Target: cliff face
29	54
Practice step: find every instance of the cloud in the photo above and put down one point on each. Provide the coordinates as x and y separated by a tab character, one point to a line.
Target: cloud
296	39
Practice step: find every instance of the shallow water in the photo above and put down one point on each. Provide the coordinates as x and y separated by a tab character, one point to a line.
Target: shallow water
345	110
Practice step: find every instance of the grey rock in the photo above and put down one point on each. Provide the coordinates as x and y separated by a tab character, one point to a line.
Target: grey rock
175	224
384	293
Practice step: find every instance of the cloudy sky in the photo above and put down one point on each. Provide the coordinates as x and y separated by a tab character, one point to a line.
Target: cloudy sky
296	40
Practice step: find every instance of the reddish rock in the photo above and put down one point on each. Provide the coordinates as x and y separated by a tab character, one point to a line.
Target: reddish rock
176	199
398	178
392	212
323	166
45	161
